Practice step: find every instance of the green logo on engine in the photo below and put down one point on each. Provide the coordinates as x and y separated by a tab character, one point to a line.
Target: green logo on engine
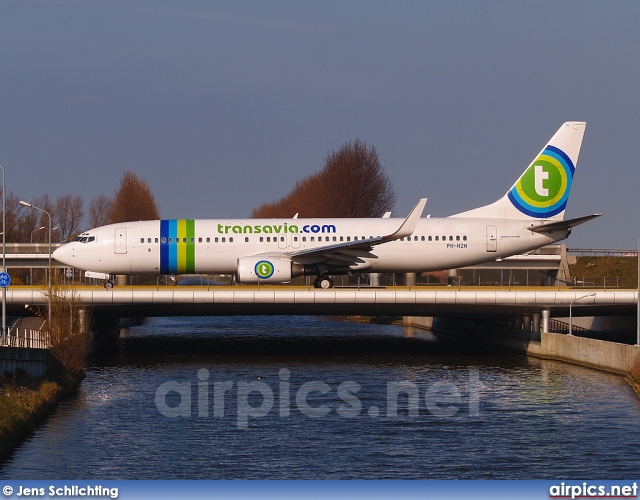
264	269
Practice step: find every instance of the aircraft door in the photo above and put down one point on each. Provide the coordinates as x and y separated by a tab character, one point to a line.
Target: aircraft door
120	240
492	239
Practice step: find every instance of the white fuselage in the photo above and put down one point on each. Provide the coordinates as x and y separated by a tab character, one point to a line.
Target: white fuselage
214	246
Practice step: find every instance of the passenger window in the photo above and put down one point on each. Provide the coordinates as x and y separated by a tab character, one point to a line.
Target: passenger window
457	238
261	239
164	240
450	238
216	240
208	240
246	239
430	238
464	238
224	240
422	238
341	238
437	238
415	238
335	238
231	240
348	238
141	240
170	240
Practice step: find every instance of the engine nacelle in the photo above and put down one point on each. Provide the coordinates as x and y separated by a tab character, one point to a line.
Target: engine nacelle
260	269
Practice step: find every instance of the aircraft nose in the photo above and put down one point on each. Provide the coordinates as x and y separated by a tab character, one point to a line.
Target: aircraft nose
61	254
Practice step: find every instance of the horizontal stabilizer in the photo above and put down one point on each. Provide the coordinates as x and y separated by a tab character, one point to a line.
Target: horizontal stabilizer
563	224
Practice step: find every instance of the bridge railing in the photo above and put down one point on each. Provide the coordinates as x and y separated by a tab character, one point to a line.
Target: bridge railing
35	339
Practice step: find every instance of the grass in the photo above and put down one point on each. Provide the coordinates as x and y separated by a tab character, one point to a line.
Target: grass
23	403
618	271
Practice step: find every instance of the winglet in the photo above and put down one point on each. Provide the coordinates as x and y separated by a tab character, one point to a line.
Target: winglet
409	225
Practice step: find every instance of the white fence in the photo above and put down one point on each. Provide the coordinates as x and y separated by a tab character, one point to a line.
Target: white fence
22	337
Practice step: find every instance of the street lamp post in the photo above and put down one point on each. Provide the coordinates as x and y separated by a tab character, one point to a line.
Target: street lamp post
31	269
4	260
25	204
571	304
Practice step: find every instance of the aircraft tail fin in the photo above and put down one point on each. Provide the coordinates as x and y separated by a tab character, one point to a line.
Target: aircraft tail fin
542	191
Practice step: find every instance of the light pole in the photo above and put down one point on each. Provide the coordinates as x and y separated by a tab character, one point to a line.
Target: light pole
41	227
54	228
31	269
25	204
571	304
638	298
4	260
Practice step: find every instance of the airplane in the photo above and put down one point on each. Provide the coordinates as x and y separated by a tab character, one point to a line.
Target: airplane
530	215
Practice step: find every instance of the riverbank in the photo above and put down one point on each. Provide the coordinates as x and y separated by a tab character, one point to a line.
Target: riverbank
633	377
25	403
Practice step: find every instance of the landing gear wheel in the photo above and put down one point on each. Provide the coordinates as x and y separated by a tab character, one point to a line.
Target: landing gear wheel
108	285
323	282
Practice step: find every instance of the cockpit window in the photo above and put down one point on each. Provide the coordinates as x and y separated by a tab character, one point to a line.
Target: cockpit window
83	238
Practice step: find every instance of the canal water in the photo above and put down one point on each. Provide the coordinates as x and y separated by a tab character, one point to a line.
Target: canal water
309	398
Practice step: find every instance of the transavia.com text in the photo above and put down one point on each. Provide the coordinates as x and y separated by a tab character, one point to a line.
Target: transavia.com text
314	399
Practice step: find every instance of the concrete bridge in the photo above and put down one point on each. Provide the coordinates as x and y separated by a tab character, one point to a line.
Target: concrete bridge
539	303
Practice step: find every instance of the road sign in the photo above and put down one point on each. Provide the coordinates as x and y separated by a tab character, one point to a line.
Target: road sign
5	280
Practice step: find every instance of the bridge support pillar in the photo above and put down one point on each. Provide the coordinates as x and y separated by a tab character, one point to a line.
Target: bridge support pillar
517	323
526	322
535	327
84	318
410	279
546	316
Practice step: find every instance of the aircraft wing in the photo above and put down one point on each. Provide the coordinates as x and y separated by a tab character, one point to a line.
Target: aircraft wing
562	225
348	252
352	252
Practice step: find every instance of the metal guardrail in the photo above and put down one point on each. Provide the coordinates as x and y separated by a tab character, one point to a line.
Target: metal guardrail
34	339
609	252
557	326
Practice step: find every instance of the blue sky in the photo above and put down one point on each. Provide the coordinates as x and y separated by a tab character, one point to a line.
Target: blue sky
222	106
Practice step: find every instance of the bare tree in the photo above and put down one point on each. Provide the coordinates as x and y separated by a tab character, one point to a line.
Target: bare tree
351	184
99	211
133	201
13	217
69	214
356	183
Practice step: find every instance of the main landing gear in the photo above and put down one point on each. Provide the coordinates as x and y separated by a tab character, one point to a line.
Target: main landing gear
323	282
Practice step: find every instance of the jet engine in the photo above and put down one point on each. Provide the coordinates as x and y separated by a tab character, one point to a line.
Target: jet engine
261	269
